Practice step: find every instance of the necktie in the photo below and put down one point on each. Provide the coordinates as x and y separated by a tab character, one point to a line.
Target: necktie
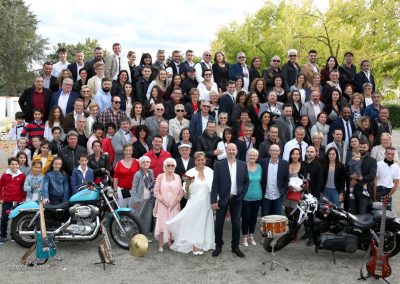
177	69
301	150
348	132
119	63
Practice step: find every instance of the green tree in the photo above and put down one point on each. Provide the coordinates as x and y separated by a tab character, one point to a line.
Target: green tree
368	28
87	47
20	46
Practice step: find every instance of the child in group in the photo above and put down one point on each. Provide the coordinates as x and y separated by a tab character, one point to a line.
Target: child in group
36	127
35	148
34	182
17	126
107	144
81	174
354	165
55	184
45	156
11	193
57	143
23	163
22	145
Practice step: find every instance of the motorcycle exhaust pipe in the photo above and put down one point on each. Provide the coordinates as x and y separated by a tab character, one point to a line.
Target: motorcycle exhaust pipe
77	237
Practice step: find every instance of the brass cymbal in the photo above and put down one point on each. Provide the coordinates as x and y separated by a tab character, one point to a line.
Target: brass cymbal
138	245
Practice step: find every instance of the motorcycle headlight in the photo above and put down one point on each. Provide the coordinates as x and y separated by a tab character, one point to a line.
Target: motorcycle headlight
110	192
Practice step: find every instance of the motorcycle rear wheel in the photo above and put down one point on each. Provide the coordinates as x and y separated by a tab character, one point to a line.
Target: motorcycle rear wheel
280	243
20	223
132	226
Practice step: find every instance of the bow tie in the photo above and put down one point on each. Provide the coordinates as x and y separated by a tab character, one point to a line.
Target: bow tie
19	126
127	132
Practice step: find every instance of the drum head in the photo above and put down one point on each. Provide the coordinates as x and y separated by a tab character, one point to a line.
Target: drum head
274	218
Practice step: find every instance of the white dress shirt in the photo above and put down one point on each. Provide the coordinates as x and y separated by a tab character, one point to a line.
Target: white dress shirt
294	144
384	178
272	191
57	67
232	172
63	101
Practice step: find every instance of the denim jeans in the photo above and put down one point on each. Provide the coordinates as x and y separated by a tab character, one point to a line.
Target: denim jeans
271	207
4	218
332	194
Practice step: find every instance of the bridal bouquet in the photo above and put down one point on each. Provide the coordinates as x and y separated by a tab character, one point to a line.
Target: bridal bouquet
188	180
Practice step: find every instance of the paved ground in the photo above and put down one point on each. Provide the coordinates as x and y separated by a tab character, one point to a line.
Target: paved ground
170	267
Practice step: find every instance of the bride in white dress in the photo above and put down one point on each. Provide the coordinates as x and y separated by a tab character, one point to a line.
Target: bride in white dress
193	227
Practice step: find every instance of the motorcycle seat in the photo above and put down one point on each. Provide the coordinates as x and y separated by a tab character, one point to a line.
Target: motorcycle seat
63	205
390	215
362	221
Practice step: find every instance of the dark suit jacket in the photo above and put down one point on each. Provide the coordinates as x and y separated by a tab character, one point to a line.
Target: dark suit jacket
195	126
235	71
73	67
25	102
180	169
338	123
71	100
282	178
221	186
227	105
361	78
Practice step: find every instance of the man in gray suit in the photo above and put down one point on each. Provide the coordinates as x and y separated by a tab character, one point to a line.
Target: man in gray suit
113	63
285	124
122	136
153	122
313	107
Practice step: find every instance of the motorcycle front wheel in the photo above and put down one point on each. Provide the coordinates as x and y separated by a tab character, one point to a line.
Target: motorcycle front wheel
131	225
20	223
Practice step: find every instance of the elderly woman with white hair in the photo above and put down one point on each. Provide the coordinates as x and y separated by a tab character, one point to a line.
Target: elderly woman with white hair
142	199
168	193
378	152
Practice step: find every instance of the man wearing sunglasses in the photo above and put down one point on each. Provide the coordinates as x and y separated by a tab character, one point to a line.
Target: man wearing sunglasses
240	69
270	72
113	113
291	69
205	64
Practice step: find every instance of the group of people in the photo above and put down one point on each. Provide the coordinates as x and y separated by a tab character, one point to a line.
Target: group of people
182	139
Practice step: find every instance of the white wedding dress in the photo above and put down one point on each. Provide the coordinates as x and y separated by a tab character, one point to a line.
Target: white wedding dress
194	225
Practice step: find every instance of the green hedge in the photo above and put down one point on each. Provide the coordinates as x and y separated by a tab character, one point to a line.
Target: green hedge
394	114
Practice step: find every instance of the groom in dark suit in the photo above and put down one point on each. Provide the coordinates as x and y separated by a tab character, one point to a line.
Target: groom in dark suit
230	184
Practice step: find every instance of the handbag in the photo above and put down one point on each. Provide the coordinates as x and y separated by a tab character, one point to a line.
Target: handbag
126	193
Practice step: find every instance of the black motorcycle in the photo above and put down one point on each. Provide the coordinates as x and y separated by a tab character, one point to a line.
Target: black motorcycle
335	229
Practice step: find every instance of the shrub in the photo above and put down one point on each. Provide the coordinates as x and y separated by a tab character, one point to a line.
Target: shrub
394	114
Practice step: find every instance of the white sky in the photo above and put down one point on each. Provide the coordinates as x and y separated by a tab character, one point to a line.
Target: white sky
142	26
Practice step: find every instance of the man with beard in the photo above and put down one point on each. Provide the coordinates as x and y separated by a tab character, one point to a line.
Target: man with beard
103	96
273	138
113	113
386	184
98	57
359	205
344	123
314	174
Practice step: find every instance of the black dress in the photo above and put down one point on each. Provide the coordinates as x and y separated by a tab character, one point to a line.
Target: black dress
221	75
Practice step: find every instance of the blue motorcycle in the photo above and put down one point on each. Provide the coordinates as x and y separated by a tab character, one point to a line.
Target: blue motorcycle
78	219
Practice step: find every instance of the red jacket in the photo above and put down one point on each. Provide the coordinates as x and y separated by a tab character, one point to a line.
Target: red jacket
157	163
108	148
12	189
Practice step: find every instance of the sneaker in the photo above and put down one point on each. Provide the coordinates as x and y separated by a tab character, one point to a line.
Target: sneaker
366	193
245	243
351	195
252	241
3	240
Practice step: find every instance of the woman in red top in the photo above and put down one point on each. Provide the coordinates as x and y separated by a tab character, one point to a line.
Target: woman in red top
123	175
